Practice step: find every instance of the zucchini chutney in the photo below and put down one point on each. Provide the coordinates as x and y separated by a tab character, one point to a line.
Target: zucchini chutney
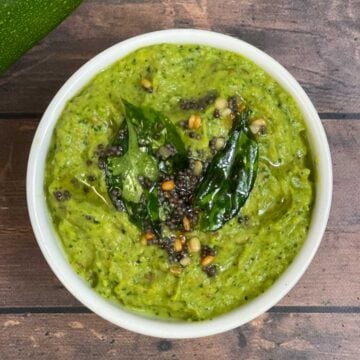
180	181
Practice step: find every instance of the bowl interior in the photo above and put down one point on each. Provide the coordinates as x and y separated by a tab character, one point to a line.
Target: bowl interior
50	245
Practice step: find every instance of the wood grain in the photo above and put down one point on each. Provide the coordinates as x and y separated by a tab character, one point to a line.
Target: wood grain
317	41
332	279
271	336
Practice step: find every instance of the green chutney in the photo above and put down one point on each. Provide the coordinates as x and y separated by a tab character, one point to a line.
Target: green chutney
101	243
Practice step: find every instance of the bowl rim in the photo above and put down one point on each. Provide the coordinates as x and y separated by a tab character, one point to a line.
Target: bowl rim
50	244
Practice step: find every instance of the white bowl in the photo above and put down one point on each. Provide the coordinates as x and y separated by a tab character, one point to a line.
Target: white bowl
51	246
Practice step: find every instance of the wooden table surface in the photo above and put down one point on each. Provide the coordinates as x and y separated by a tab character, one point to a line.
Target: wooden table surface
319	43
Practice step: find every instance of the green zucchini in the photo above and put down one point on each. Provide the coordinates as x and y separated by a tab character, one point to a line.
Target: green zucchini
25	22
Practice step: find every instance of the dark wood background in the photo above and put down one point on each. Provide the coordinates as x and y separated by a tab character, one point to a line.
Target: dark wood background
319	42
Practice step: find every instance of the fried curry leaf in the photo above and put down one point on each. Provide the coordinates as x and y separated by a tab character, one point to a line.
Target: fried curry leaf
156	131
131	177
229	177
